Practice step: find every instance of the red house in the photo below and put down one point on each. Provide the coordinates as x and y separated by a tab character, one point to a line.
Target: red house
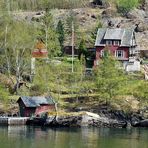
29	106
120	42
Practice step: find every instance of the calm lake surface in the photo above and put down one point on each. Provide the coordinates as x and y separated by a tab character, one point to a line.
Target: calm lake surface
36	137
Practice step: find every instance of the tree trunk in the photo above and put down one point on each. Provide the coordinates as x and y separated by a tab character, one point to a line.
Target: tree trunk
17	72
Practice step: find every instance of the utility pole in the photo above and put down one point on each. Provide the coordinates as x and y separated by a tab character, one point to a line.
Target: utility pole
46	31
8	7
72	44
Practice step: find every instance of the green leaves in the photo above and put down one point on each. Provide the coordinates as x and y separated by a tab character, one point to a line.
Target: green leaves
109	78
124	6
61	33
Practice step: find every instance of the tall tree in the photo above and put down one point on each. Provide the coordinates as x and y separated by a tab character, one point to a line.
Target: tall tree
110	79
17	40
49	35
61	34
82	49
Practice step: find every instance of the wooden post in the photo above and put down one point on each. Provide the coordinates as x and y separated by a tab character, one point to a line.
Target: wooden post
8	7
72	44
46	30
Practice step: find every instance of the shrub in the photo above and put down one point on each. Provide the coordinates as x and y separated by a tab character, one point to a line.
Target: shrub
124	6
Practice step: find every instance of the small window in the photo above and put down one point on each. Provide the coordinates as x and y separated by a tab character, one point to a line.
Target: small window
116	43
119	54
109	42
102	53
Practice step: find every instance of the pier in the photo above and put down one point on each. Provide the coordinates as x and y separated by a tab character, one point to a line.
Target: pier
13	120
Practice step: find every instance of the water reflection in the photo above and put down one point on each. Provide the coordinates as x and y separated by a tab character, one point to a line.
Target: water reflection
37	137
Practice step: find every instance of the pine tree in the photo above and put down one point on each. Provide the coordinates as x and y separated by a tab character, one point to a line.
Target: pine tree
60	31
82	49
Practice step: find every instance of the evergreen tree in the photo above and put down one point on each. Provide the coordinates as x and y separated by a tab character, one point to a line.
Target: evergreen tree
110	79
60	31
82	49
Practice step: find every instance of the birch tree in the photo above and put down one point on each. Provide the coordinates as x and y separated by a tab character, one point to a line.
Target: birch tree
18	38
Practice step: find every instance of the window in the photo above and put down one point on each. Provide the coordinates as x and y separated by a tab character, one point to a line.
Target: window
116	43
119	53
102	53
109	42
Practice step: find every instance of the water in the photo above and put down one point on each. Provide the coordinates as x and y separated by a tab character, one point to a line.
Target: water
36	137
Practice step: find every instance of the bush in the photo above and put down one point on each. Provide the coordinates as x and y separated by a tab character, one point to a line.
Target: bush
124	6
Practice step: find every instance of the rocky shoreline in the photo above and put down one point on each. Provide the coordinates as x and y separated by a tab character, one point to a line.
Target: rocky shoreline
89	119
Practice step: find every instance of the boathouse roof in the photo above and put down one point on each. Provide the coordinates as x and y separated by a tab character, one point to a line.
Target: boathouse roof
36	101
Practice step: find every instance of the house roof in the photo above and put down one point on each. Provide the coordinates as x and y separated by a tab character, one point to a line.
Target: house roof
36	101
115	34
124	35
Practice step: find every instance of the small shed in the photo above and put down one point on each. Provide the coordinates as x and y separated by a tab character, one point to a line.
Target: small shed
40	50
36	105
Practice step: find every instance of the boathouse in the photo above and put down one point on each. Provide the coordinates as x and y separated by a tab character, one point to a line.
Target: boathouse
35	106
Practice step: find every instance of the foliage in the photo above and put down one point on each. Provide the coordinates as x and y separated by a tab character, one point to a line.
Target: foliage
4	94
14	5
94	32
71	19
110	80
124	6
49	35
61	34
82	49
141	90
17	40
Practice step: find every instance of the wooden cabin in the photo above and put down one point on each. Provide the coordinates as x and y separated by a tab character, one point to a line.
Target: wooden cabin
35	106
120	42
67	50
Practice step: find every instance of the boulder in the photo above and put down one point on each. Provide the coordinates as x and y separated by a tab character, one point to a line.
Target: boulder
140	27
136	14
109	13
142	123
97	121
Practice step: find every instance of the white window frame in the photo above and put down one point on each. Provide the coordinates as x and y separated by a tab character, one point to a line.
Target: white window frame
102	53
109	42
116	43
118	52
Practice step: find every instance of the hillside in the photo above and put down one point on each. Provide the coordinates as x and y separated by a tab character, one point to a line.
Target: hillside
57	79
90	15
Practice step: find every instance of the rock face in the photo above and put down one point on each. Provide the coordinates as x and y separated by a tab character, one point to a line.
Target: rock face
91	119
142	123
114	119
136	14
86	119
